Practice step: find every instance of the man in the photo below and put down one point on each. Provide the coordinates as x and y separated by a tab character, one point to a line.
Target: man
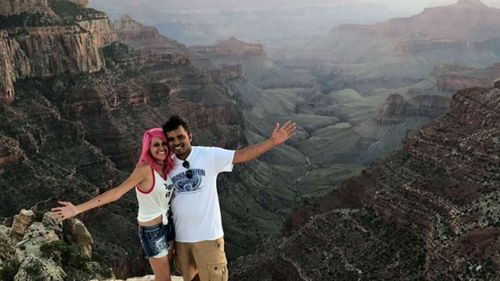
197	216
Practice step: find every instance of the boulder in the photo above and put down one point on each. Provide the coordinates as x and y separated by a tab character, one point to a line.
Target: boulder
34	268
7	251
76	233
51	222
36	236
21	223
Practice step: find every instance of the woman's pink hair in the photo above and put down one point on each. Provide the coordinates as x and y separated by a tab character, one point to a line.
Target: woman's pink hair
147	158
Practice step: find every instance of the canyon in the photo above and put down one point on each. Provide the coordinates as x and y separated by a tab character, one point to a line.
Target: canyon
77	92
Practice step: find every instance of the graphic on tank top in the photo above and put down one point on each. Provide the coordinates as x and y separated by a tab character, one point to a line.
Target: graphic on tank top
169	186
191	185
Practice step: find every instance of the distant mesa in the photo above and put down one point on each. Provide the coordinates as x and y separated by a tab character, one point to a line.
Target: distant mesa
230	47
397	108
470	4
147	38
127	27
451	78
466	20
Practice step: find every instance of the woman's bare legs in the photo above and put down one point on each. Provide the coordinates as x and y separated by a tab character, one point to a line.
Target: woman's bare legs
160	268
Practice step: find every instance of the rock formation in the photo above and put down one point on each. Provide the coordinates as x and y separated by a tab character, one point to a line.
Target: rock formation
146	38
83	3
459	27
44	253
21	223
36	250
17	7
397	108
49	45
466	20
428	212
230	47
453	78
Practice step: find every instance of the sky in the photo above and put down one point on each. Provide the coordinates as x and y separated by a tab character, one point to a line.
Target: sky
152	12
421	4
416	5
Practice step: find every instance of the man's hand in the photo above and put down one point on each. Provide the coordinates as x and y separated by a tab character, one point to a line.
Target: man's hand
280	135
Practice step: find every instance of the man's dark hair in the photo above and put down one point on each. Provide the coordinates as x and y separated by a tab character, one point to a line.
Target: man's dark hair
173	123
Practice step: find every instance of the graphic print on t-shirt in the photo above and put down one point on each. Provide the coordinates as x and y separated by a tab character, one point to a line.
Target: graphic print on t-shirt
169	186
184	184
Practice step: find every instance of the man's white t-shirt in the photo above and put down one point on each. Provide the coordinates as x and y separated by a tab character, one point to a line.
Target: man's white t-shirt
195	204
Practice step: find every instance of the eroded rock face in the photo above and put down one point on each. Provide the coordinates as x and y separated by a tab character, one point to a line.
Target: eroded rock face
49	49
7	250
16	7
34	268
13	64
101	29
454	78
76	233
397	108
76	50
36	236
21	223
230	47
147	38
438	196
439	23
83	3
42	254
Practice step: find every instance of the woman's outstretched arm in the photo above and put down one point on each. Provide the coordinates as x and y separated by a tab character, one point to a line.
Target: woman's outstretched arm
68	210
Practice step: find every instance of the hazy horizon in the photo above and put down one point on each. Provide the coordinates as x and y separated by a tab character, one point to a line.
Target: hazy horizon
272	22
173	5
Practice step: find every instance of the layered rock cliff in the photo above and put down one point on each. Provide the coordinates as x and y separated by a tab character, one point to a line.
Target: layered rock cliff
17	7
146	38
406	48
465	20
83	3
428	212
397	108
230	47
42	44
450	78
6	69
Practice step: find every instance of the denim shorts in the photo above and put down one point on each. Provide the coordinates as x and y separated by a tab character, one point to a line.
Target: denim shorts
155	239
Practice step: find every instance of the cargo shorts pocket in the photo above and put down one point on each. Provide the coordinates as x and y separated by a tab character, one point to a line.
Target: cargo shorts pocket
219	243
218	271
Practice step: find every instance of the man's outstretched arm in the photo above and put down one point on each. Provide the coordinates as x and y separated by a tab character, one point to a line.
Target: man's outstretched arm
279	136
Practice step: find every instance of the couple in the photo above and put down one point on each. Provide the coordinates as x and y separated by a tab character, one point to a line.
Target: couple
191	174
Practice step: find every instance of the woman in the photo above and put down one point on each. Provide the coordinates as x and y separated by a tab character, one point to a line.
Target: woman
153	190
